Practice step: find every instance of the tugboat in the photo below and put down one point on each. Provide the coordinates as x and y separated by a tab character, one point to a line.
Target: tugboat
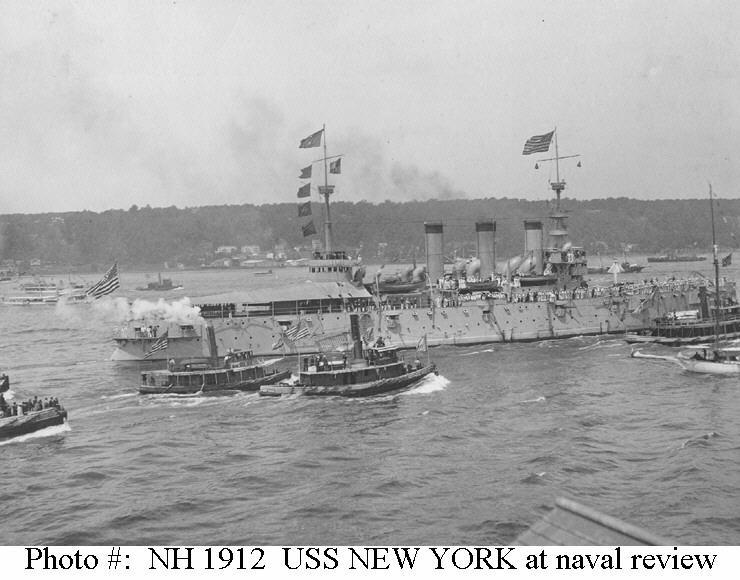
161	285
714	360
694	326
372	371
28	417
239	372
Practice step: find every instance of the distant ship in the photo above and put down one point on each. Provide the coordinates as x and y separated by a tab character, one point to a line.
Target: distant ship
627	268
45	293
161	285
541	294
676	258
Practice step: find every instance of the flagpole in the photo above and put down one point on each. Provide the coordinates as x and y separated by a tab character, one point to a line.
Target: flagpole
557	171
716	272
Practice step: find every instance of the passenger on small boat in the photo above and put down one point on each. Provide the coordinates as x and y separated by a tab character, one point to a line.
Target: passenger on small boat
28	406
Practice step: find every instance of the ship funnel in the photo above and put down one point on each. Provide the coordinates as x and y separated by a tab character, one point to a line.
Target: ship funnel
212	347
354	325
434	243
486	237
533	243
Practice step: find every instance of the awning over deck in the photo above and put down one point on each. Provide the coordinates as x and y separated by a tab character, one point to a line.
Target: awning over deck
288	293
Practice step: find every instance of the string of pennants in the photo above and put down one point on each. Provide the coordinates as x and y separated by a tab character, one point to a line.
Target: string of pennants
304	191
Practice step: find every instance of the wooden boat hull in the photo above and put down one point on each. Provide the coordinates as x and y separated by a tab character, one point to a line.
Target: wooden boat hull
34	421
357	390
250	385
694	365
711	367
676	341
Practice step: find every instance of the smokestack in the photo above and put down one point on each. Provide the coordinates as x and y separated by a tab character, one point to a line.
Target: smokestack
354	325
486	234
533	243
434	242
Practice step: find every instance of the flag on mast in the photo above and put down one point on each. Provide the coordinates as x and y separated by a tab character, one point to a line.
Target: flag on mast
421	346
336	166
727	260
107	284
304	190
313	140
305	173
304	209
538	143
309	229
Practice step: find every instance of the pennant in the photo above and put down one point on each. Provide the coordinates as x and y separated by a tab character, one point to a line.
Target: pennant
309	229
538	143
421	346
304	190
312	140
304	209
727	260
336	166
305	173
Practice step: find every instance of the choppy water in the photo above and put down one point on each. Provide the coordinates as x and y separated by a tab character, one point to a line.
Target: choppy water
473	456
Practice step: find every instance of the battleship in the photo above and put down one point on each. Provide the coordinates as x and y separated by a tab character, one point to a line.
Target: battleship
539	295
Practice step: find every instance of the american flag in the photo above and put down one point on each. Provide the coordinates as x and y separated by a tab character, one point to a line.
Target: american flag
160	344
538	143
297	333
107	284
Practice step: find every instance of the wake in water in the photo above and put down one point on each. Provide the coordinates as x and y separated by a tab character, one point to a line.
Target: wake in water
602	344
700	440
540	399
121	396
535	478
428	384
487	350
47	432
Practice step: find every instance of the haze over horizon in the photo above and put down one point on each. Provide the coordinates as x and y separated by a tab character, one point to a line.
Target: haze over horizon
108	104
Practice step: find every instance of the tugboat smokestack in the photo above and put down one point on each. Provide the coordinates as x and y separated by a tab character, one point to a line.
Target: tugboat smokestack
434	243
486	237
354	325
533	239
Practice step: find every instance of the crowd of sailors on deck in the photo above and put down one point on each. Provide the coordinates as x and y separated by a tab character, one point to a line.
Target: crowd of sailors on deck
452	299
28	406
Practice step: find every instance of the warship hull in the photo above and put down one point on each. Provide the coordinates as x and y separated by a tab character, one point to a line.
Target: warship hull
472	322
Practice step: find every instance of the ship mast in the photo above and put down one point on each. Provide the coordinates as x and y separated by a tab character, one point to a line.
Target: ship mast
716	272
326	191
559	230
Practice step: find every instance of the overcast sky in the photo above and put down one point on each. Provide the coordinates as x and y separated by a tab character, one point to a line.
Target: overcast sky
105	104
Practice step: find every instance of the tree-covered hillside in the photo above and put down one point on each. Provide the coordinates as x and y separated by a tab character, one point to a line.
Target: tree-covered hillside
141	237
